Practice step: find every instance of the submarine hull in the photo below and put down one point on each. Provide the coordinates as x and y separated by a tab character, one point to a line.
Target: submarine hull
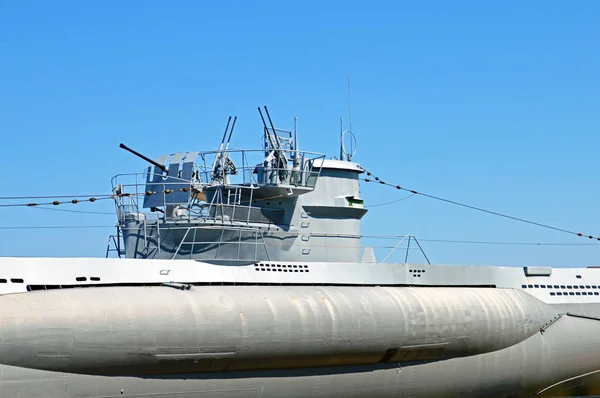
295	341
544	363
157	330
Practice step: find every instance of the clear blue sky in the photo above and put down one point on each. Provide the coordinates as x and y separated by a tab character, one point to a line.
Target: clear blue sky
496	105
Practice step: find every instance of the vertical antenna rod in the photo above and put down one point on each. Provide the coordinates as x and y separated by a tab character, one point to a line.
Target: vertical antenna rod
295	137
349	104
342	152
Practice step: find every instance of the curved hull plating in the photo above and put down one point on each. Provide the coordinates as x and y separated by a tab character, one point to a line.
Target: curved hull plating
273	341
520	370
158	330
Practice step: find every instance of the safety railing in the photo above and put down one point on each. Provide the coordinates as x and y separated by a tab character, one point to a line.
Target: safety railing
255	233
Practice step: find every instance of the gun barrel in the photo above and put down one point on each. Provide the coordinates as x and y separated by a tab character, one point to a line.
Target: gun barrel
147	159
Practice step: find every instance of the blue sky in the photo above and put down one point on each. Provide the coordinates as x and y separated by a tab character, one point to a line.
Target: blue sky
495	105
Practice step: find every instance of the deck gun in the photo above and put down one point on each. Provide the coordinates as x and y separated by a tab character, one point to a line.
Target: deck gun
147	159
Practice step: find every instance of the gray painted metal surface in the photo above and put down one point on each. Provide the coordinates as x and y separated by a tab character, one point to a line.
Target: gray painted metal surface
146	330
523	369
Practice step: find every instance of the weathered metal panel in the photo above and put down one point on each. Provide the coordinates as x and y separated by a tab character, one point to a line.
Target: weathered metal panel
124	330
524	369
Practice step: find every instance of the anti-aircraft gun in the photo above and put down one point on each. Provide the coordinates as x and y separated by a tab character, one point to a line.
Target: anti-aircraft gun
222	164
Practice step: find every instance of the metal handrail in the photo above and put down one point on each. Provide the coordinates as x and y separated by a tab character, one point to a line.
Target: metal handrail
113	239
256	233
408	238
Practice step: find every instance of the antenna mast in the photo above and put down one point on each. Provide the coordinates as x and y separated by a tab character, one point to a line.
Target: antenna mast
349	104
295	138
344	155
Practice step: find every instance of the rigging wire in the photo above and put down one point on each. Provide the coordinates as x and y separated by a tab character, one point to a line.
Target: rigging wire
51	197
75	211
103	197
507	243
55	203
389	203
55	226
380	181
94	198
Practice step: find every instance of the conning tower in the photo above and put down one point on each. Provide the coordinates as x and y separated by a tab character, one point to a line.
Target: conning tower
276	203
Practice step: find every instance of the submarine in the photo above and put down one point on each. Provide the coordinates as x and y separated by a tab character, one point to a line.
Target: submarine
240	273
